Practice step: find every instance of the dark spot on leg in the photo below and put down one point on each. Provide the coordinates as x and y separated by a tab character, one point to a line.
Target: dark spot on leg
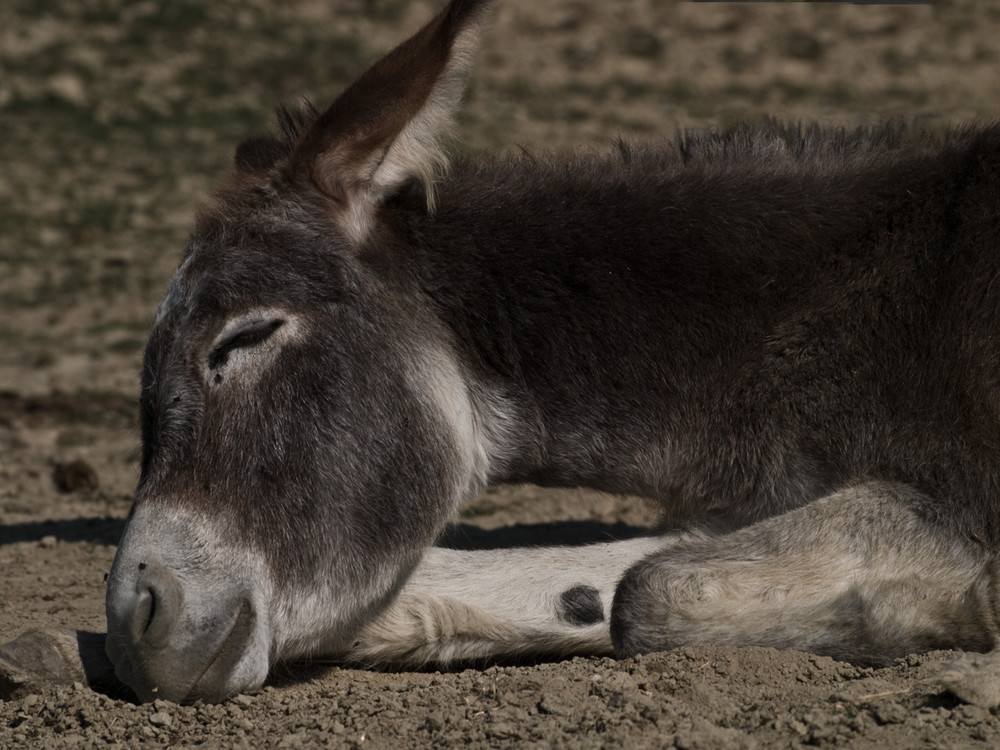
217	378
581	605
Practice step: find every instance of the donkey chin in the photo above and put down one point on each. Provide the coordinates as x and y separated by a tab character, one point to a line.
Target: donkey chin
186	622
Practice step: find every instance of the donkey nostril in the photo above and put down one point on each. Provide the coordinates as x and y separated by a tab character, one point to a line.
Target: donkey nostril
152	611
156	607
142	617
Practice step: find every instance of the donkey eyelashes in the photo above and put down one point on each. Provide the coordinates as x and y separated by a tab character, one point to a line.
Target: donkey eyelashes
245	337
247	345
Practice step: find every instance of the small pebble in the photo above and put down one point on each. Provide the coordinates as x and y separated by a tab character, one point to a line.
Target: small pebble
160	719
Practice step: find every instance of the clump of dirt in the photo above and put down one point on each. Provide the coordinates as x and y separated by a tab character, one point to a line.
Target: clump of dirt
74	476
119	116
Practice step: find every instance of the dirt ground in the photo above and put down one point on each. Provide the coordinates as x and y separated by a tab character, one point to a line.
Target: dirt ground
116	118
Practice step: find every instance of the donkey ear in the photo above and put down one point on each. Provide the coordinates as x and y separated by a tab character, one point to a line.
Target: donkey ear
387	128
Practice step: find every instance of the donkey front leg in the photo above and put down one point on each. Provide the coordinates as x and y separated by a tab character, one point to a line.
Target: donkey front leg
464	605
860	575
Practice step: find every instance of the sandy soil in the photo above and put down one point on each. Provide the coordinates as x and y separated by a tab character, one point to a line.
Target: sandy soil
118	116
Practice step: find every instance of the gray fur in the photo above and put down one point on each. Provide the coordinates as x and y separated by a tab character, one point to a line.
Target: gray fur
788	333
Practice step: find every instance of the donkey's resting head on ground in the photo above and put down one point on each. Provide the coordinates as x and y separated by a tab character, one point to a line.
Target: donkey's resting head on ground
306	430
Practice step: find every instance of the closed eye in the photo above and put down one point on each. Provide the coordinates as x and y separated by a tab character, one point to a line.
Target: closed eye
250	335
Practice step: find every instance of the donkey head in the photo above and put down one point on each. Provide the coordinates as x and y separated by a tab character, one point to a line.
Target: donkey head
306	428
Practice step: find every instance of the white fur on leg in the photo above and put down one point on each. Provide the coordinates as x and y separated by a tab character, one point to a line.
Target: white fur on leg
461	605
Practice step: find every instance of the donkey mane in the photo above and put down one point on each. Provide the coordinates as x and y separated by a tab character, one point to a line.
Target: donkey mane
770	137
260	153
767	138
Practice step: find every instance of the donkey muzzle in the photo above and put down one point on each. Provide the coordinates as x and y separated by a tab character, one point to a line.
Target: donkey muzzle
181	632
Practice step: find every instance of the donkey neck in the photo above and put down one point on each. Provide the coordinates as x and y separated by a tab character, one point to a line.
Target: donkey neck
607	303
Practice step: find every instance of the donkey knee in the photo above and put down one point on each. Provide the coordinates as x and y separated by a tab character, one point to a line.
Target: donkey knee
665	602
641	610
